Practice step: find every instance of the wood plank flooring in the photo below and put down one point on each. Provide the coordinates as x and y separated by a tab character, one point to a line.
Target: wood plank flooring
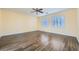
38	41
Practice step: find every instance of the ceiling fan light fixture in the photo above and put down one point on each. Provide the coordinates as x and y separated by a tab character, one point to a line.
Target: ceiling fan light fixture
37	10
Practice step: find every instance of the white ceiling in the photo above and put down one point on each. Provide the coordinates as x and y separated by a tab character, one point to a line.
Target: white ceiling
29	11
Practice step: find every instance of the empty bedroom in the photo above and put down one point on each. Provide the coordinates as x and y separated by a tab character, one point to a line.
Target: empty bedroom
39	29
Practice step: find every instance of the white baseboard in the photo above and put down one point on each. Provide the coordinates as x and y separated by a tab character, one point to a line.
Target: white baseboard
5	34
68	34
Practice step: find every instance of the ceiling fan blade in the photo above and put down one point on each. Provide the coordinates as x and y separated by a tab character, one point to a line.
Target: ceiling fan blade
33	8
40	11
37	10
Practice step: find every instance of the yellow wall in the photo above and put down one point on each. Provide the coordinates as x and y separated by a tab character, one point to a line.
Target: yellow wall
78	23
70	27
0	23
15	22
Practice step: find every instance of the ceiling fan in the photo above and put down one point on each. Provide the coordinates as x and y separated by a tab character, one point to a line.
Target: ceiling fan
37	10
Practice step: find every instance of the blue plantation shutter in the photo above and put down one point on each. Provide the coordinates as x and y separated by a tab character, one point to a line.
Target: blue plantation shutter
58	21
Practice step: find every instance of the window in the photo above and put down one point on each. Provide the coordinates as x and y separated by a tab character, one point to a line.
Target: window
44	22
57	21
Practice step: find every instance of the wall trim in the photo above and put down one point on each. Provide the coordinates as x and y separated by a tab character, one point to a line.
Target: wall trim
5	34
61	33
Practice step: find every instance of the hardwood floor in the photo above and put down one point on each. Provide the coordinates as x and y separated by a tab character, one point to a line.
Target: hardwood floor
38	41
